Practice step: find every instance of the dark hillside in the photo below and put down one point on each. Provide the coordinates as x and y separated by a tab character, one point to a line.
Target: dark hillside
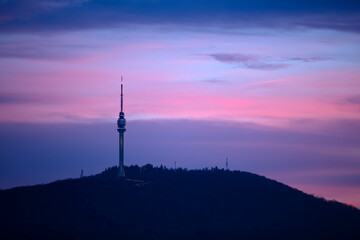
157	203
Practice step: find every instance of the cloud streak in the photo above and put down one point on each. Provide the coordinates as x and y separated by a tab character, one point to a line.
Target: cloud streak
39	50
309	59
353	100
215	81
247	61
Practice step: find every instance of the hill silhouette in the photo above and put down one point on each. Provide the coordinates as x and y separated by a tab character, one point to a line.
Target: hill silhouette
160	203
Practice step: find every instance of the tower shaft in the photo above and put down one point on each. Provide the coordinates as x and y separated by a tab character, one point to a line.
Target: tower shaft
121	172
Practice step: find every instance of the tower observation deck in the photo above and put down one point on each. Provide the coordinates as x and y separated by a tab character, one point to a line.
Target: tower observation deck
121	123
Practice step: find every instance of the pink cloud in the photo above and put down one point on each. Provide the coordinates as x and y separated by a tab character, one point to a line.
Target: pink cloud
94	94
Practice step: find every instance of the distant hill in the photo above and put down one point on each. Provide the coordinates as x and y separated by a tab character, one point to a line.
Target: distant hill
158	203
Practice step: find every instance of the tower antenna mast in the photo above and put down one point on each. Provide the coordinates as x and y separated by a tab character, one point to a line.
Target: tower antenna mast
121	94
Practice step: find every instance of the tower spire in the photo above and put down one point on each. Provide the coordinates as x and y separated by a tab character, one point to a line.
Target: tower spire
121	94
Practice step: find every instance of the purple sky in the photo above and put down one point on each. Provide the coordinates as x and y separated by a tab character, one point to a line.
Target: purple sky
272	85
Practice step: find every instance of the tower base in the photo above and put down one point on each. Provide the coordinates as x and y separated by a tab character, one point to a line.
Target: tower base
121	172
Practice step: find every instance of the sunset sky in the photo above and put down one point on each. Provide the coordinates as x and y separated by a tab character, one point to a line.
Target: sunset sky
272	85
